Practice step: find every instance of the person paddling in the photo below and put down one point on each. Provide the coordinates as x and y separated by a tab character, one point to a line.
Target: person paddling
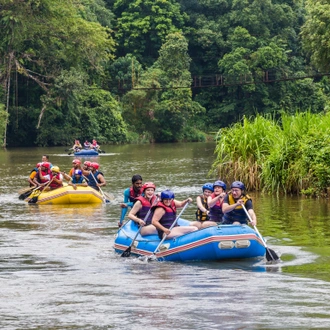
141	208
215	201
164	215
202	213
232	208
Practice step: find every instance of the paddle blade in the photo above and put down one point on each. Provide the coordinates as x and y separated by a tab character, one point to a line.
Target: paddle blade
33	200
25	195
126	253
271	255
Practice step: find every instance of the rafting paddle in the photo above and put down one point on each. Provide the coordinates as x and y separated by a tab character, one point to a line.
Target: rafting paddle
127	252
34	199
105	200
270	254
153	256
26	192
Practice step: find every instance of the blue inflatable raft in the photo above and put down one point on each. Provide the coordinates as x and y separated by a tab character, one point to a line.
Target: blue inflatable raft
212	243
86	152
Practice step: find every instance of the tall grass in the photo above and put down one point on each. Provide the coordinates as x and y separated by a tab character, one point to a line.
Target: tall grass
291	155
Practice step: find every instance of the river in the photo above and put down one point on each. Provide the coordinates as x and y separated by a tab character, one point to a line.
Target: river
58	269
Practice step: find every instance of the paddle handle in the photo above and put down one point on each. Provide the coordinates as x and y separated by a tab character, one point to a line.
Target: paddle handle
173	224
254	227
103	196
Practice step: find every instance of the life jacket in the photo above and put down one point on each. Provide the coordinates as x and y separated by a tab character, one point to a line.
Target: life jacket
75	181
53	184
170	214
238	214
133	195
146	205
216	213
93	182
202	216
44	173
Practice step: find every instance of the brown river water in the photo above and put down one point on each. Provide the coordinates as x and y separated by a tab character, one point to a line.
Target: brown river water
58	269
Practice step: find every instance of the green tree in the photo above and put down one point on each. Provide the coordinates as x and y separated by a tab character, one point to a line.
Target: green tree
142	26
3	124
39	39
316	33
77	110
163	98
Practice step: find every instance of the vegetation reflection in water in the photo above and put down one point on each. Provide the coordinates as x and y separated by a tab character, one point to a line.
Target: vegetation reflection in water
294	222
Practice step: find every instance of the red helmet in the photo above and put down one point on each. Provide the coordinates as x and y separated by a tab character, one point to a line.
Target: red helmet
95	165
76	161
38	165
148	185
45	164
87	163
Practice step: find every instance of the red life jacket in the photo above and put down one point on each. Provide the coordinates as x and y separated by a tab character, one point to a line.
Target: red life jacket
170	214
53	184
146	205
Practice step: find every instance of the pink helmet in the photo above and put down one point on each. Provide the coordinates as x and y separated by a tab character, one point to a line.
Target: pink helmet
38	165
148	185
76	161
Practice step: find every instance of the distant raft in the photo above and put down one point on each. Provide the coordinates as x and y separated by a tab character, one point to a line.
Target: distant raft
212	243
66	195
86	152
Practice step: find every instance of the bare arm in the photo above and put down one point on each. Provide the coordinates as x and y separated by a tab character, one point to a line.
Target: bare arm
212	201
132	214
183	203
253	217
102	183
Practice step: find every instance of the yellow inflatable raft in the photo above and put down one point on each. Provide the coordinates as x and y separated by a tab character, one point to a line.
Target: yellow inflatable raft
66	195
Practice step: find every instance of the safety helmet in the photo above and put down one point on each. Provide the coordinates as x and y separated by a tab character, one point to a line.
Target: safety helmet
45	164
76	161
87	163
95	165
38	165
237	184
55	169
77	172
208	186
167	194
220	183
148	185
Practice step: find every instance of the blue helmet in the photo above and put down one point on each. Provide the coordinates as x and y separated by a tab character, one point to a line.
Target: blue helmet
208	186
77	172
238	184
220	184
167	194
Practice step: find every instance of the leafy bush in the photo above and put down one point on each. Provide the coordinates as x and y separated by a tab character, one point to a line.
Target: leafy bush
291	155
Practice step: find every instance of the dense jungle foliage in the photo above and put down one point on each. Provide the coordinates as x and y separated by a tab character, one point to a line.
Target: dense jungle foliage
161	70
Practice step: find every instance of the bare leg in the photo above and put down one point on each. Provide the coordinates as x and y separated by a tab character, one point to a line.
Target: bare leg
209	224
148	230
197	224
179	231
